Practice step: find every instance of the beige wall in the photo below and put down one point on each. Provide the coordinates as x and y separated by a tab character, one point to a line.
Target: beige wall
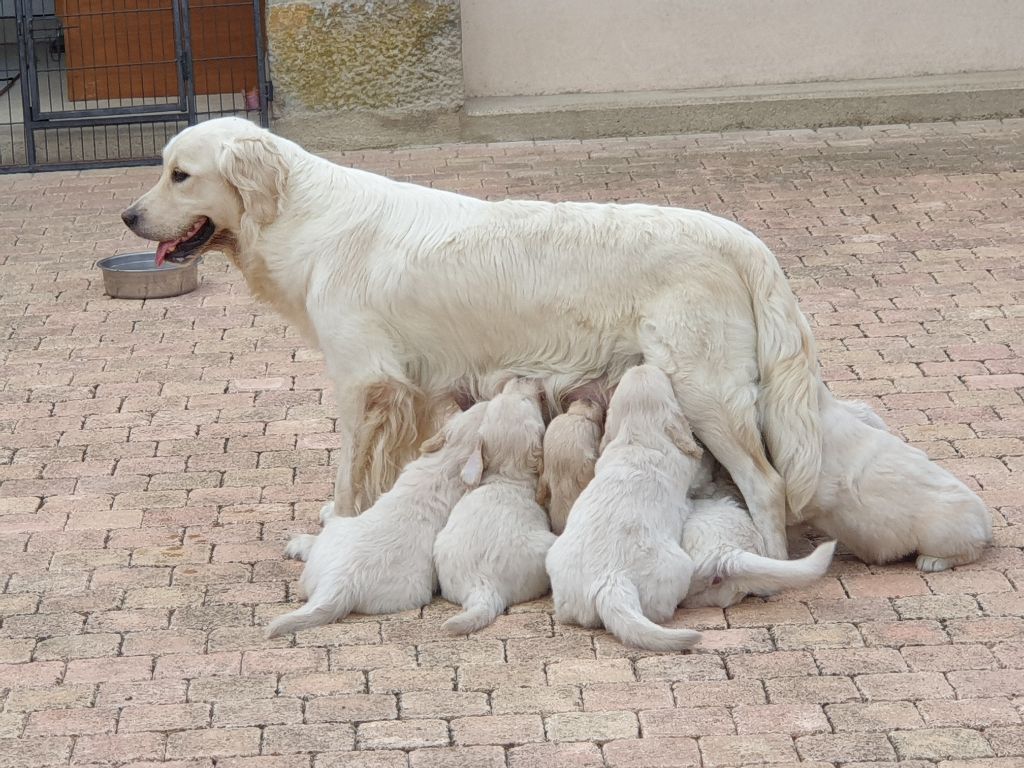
546	47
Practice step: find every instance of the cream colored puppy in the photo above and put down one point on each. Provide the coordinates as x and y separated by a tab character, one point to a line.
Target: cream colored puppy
571	445
381	561
728	553
619	562
884	499
491	553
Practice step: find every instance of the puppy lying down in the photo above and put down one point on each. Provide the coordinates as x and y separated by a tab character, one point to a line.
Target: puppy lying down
382	561
728	554
491	552
619	562
884	499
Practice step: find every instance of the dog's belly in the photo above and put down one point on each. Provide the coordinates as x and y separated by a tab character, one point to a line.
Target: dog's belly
563	353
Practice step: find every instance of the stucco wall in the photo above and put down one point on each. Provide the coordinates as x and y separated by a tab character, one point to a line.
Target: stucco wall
540	47
379	56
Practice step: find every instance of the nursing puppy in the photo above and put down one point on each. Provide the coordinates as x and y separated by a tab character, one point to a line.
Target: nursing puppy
884	499
491	553
619	562
728	554
571	445
381	561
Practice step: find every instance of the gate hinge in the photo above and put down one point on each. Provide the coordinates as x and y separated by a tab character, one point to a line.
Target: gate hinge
268	91
186	70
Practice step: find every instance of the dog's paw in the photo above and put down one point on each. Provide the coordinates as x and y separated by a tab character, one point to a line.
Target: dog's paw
326	512
930	564
299	546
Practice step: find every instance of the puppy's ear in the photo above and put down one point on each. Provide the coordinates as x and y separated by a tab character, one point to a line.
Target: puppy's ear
434	444
535	459
543	492
255	167
473	470
681	436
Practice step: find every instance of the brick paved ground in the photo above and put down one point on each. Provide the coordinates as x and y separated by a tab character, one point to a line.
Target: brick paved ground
155	456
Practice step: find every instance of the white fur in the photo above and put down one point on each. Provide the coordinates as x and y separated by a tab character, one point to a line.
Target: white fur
728	554
381	561
571	445
397	282
884	499
490	555
619	562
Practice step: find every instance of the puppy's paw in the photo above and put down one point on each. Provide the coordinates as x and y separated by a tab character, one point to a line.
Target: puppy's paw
299	546
326	512
930	564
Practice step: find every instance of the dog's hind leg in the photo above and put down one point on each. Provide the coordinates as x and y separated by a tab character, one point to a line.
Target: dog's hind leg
733	438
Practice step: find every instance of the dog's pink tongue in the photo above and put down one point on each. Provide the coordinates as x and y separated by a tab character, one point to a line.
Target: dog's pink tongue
162	250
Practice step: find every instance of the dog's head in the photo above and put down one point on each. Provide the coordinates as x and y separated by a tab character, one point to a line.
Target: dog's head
222	181
645	402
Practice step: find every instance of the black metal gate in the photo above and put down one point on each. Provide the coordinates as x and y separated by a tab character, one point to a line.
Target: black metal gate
94	83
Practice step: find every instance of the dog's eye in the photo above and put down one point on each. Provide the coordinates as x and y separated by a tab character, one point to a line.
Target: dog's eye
178	176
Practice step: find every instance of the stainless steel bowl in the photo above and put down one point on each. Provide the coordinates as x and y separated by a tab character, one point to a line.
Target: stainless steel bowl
136	276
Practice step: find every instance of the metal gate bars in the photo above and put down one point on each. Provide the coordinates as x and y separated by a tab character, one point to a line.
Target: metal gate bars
93	83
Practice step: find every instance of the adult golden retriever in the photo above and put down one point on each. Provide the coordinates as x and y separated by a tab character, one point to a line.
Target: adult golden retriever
411	292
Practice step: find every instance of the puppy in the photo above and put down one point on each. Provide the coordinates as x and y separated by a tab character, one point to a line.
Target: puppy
729	553
619	561
570	452
380	561
885	499
491	553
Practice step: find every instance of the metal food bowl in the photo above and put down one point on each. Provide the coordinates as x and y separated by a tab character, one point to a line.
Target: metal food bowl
136	276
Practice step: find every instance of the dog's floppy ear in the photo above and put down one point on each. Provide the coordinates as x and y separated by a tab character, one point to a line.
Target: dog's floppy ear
679	433
473	470
254	166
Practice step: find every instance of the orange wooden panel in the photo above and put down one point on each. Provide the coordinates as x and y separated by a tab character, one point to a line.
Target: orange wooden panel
119	49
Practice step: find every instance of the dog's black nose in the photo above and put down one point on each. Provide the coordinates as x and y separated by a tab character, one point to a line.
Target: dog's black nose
129	217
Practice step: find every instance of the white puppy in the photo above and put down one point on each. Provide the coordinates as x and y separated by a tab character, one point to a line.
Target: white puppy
885	499
491	553
571	445
380	562
728	553
619	561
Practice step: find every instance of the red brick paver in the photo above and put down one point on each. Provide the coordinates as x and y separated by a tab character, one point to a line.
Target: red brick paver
154	457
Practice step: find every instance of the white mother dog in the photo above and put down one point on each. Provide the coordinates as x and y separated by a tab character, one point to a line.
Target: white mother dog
431	290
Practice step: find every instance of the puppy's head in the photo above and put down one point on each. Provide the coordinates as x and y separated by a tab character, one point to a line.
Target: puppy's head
511	437
588	409
460	431
644	403
221	182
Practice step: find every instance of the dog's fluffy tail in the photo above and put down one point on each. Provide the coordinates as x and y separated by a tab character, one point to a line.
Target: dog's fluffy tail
764	576
480	608
618	605
787	361
315	613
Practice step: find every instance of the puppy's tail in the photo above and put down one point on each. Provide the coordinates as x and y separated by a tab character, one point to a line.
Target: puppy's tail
315	613
618	605
788	364
764	576
481	607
